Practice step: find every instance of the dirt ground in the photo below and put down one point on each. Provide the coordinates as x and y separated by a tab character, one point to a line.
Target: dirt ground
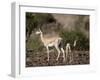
36	59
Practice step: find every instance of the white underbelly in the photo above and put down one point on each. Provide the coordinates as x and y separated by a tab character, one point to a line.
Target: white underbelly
51	44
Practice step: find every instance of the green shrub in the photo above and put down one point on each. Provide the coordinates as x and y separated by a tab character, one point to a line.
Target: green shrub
34	44
71	36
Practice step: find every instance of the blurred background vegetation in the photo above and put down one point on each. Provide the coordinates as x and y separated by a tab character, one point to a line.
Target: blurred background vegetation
69	27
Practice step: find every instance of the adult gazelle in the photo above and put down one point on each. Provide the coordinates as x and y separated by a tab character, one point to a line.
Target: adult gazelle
50	42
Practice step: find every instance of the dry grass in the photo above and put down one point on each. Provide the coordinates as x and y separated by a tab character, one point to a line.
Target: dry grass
34	59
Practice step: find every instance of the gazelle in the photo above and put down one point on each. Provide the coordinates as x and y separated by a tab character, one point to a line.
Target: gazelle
67	48
50	42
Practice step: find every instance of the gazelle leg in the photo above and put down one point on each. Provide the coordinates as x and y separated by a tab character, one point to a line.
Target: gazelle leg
69	49
47	53
66	52
71	56
58	52
63	54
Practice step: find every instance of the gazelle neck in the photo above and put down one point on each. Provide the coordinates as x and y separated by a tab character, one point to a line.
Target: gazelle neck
41	36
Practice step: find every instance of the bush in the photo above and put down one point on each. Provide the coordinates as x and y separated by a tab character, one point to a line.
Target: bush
36	20
34	44
71	36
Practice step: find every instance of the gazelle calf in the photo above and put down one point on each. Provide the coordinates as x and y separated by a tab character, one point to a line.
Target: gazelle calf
66	48
50	42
